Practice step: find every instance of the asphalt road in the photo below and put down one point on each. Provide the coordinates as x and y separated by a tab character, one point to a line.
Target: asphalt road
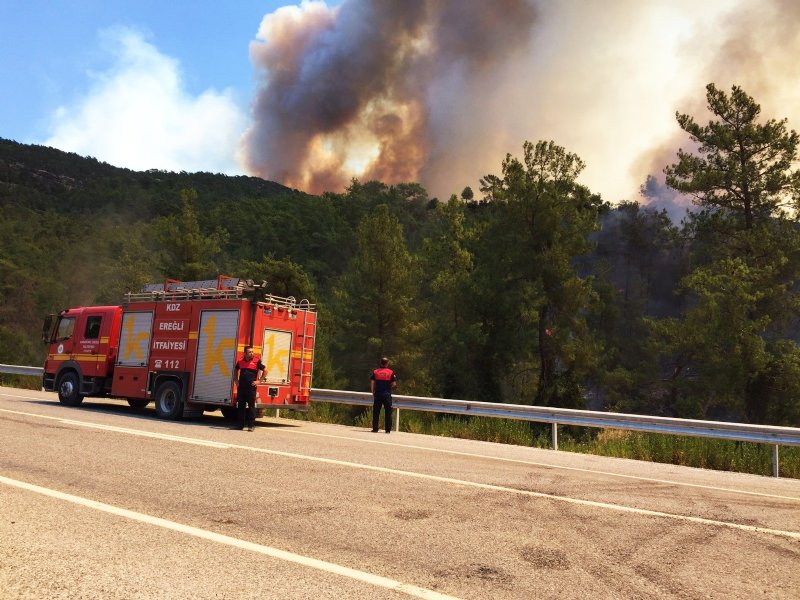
105	501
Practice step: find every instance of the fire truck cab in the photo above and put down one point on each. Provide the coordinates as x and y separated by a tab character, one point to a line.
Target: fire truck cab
177	343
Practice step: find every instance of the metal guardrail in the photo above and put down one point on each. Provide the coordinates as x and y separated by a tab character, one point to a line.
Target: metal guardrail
762	434
18	370
744	432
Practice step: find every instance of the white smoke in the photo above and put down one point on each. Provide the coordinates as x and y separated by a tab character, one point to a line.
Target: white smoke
138	115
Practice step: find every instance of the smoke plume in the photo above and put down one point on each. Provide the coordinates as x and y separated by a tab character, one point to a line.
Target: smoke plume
354	90
438	91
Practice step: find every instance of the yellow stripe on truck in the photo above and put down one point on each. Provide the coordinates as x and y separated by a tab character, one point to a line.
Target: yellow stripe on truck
90	357
78	357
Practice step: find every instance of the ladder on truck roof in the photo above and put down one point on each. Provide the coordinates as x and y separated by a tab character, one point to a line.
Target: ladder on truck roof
307	346
223	282
223	287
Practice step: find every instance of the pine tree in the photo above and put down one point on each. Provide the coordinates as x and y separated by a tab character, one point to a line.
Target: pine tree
543	221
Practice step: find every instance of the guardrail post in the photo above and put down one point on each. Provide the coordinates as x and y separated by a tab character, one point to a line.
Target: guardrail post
555	436
277	413
397	420
775	460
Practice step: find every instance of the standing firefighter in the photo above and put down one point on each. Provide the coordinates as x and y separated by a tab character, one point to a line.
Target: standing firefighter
381	384
250	369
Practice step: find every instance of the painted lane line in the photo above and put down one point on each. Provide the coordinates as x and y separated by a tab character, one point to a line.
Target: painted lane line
499	488
467	454
4	395
114	428
363	576
540	464
460	482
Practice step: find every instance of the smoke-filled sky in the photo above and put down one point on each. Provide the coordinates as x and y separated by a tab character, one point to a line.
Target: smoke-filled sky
437	91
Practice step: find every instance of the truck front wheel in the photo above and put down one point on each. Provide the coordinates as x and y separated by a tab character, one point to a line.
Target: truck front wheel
169	404
69	389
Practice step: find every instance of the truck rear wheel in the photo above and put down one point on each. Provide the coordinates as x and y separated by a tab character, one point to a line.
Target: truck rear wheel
69	389
138	402
169	404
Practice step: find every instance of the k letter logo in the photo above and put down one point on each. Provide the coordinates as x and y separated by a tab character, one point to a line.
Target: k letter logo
133	341
276	359
215	354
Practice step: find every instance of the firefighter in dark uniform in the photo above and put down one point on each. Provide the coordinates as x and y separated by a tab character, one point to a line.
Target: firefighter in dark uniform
381	384
250	369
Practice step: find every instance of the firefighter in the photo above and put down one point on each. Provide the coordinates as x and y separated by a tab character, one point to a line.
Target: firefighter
381	384
250	369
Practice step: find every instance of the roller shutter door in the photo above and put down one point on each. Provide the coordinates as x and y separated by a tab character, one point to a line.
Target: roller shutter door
216	356
134	339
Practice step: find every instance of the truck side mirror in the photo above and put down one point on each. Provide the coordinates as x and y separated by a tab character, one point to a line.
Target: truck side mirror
47	328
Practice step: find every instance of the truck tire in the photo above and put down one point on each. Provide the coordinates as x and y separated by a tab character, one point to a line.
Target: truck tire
169	404
69	388
138	402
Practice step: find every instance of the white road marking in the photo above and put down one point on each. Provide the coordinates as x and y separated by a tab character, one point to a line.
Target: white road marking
500	488
475	455
541	464
462	482
299	559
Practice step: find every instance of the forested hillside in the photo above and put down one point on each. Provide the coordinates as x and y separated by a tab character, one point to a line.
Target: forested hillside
531	290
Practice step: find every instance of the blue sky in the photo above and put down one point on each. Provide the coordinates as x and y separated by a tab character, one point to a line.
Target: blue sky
54	51
171	85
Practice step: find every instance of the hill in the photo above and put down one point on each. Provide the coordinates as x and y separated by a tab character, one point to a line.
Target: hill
76	231
537	292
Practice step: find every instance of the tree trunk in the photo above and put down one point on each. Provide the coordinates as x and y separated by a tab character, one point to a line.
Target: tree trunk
544	391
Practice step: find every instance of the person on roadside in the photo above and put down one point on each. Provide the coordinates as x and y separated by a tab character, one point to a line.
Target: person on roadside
381	384
250	370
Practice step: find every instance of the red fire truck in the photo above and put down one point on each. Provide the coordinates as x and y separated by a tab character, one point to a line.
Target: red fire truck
177	344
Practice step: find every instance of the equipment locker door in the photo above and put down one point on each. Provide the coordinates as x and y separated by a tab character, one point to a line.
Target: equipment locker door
275	355
216	356
134	339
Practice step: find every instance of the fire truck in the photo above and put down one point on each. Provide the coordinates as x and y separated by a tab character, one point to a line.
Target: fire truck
177	343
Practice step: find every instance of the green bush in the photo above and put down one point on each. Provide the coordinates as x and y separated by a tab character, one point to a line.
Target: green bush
25	382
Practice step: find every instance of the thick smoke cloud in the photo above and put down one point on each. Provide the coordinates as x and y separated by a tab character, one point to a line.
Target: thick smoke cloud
351	90
438	91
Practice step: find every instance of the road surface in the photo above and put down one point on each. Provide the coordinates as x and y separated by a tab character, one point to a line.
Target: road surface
104	501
